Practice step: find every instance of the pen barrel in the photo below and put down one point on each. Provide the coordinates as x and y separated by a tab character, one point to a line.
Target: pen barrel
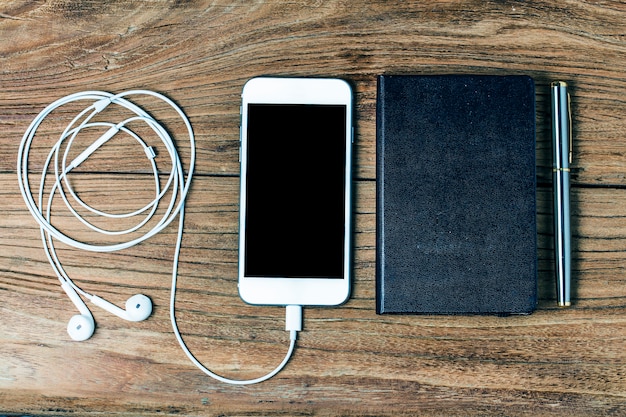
561	150
562	236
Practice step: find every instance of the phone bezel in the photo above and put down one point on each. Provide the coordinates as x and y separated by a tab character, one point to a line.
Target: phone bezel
296	291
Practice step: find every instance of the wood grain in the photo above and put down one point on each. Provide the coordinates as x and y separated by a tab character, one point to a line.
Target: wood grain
348	361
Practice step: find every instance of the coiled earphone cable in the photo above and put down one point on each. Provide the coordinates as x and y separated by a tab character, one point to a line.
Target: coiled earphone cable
176	182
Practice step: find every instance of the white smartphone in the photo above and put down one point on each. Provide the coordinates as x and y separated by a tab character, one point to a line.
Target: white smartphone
295	201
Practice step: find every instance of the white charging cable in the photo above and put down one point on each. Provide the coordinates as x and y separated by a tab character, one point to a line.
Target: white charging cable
177	185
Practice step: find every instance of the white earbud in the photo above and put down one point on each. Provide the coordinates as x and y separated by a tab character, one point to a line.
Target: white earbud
138	307
81	326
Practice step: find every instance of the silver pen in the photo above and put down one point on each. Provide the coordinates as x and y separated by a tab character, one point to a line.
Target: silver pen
562	157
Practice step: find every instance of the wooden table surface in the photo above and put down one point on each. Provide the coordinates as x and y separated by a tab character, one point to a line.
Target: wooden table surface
348	360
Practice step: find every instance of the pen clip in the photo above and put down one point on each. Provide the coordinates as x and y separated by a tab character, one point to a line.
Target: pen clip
570	136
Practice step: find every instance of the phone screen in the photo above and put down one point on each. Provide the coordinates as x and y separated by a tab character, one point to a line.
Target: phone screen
295	195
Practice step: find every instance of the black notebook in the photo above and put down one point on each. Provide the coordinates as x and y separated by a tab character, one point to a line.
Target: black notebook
455	183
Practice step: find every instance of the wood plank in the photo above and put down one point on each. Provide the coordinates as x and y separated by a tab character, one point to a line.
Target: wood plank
143	50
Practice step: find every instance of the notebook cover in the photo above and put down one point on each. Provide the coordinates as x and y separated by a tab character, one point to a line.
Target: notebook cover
455	184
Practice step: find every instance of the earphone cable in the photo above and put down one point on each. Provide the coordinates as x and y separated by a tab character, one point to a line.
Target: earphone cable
176	181
294	315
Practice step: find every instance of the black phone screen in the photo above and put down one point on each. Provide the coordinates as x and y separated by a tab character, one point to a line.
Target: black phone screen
295	196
